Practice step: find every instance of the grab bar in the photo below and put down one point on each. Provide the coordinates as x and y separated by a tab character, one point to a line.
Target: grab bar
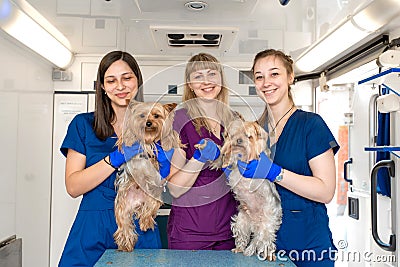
374	204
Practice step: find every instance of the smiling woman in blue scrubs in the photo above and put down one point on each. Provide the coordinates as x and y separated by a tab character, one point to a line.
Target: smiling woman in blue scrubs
303	166
92	159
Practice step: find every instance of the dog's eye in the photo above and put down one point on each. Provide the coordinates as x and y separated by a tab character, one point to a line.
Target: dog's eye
156	116
142	115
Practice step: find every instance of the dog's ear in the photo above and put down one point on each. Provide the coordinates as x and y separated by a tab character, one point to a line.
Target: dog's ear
237	115
170	106
261	133
262	136
128	136
169	137
132	103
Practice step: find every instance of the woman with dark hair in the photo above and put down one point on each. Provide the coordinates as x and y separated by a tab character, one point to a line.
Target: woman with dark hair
92	160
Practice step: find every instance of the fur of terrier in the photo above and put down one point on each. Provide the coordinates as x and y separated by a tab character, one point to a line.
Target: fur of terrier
139	185
260	213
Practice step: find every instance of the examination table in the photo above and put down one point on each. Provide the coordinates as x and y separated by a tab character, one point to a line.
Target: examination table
166	257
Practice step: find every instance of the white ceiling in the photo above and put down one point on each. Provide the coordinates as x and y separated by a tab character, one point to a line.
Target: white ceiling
98	26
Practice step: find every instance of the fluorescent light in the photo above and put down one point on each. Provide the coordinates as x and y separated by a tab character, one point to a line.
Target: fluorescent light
377	14
335	43
356	74
348	33
23	28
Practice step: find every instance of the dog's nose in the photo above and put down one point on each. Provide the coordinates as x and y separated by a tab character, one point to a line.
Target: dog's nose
148	123
239	141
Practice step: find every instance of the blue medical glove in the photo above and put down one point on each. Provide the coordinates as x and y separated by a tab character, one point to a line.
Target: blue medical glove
227	171
164	160
117	158
262	168
209	152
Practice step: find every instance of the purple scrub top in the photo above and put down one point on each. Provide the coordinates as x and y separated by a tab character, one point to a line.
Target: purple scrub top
204	212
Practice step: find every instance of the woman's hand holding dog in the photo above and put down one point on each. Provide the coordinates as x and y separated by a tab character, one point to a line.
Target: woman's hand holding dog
206	150
262	168
117	158
227	171
164	160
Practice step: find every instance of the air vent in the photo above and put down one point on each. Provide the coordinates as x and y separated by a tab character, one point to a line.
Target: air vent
175	39
194	39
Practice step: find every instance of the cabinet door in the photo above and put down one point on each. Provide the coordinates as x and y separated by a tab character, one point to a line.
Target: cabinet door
63	206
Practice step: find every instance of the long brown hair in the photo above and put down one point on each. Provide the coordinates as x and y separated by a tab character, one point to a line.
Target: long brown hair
104	114
287	63
203	61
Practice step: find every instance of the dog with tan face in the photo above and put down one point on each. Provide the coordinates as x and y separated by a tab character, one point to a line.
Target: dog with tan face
139	184
260	214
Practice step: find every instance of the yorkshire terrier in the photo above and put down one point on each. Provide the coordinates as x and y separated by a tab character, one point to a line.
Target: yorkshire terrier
260	213
138	183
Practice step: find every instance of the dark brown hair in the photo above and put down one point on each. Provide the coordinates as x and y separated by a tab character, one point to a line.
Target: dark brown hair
104	114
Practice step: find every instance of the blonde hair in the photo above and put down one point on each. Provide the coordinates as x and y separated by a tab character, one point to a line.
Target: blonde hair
203	61
287	63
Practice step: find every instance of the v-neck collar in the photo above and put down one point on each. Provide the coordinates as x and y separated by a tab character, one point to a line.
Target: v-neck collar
273	147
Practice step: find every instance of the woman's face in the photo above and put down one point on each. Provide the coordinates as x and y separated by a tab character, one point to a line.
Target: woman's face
271	80
120	83
205	83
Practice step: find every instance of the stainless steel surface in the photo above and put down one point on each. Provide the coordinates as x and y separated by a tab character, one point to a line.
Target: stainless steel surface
11	252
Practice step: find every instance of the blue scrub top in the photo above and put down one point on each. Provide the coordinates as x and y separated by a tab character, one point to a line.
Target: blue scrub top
305	222
92	231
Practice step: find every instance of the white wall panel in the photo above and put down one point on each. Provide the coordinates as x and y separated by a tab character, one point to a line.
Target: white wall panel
34	175
63	206
105	8
100	32
8	143
25	163
302	93
84	69
73	7
89	75
157	78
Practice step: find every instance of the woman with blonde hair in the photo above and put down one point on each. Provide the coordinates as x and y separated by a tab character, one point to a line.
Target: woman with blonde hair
202	203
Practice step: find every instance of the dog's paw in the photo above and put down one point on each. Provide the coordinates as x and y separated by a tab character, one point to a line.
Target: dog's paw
250	250
237	250
201	146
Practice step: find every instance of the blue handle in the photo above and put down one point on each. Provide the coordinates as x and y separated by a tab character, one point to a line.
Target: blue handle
347	162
